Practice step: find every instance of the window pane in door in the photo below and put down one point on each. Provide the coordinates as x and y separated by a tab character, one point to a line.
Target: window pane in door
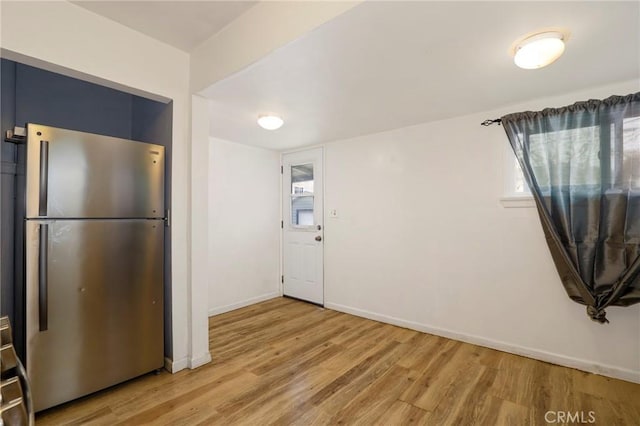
305	217
302	210
302	179
302	195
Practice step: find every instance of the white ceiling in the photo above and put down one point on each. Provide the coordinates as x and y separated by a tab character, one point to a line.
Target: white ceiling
182	24
384	65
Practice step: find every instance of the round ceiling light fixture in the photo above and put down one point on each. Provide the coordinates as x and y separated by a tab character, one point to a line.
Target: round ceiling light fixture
270	122
539	50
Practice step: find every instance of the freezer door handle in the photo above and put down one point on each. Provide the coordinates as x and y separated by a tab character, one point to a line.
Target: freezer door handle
43	261
44	178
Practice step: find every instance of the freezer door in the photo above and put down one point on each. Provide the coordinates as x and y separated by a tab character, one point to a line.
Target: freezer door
94	305
81	175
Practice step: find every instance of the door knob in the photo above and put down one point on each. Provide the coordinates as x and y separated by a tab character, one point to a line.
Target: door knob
318	238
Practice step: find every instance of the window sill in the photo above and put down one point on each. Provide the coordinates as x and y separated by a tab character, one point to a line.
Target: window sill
517	202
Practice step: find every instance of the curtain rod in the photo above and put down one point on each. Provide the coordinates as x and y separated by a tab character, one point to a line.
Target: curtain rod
490	122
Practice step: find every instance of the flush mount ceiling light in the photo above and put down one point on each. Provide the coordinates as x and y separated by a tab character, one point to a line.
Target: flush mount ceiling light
539	50
270	122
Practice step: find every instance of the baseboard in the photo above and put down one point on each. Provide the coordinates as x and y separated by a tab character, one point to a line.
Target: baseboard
243	303
174	366
577	363
199	361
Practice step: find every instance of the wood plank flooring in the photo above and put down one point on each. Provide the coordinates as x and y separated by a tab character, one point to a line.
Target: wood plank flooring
285	362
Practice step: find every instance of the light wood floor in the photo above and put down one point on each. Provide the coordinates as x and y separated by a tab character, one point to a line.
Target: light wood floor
287	362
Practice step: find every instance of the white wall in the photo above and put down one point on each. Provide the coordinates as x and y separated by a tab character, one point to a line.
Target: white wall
422	241
244	225
65	38
263	28
199	248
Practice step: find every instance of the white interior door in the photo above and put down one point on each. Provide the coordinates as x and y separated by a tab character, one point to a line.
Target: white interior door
303	225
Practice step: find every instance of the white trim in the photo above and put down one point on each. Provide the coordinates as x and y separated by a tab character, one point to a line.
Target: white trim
199	361
517	202
175	366
324	223
241	304
281	233
577	363
303	148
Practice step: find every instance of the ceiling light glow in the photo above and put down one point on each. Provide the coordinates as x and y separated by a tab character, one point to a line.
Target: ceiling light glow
539	50
270	122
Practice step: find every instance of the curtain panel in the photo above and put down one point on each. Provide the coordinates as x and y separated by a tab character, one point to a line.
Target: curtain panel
582	164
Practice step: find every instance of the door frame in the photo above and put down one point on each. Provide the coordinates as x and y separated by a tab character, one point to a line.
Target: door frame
282	196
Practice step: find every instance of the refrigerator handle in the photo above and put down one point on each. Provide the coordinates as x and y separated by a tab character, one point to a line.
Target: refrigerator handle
44	178
43	262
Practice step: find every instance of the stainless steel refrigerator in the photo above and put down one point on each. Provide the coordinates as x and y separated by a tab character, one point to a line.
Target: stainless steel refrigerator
94	246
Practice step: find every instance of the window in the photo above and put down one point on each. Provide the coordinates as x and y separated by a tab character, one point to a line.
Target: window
582	146
552	152
516	190
514	185
630	167
302	200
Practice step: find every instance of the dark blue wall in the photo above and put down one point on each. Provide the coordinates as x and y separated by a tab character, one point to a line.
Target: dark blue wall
52	99
7	187
7	104
33	95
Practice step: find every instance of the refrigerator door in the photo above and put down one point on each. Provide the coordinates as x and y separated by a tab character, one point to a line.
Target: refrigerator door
94	305
81	175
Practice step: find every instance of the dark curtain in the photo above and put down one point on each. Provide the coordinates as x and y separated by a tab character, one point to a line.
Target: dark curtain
582	163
